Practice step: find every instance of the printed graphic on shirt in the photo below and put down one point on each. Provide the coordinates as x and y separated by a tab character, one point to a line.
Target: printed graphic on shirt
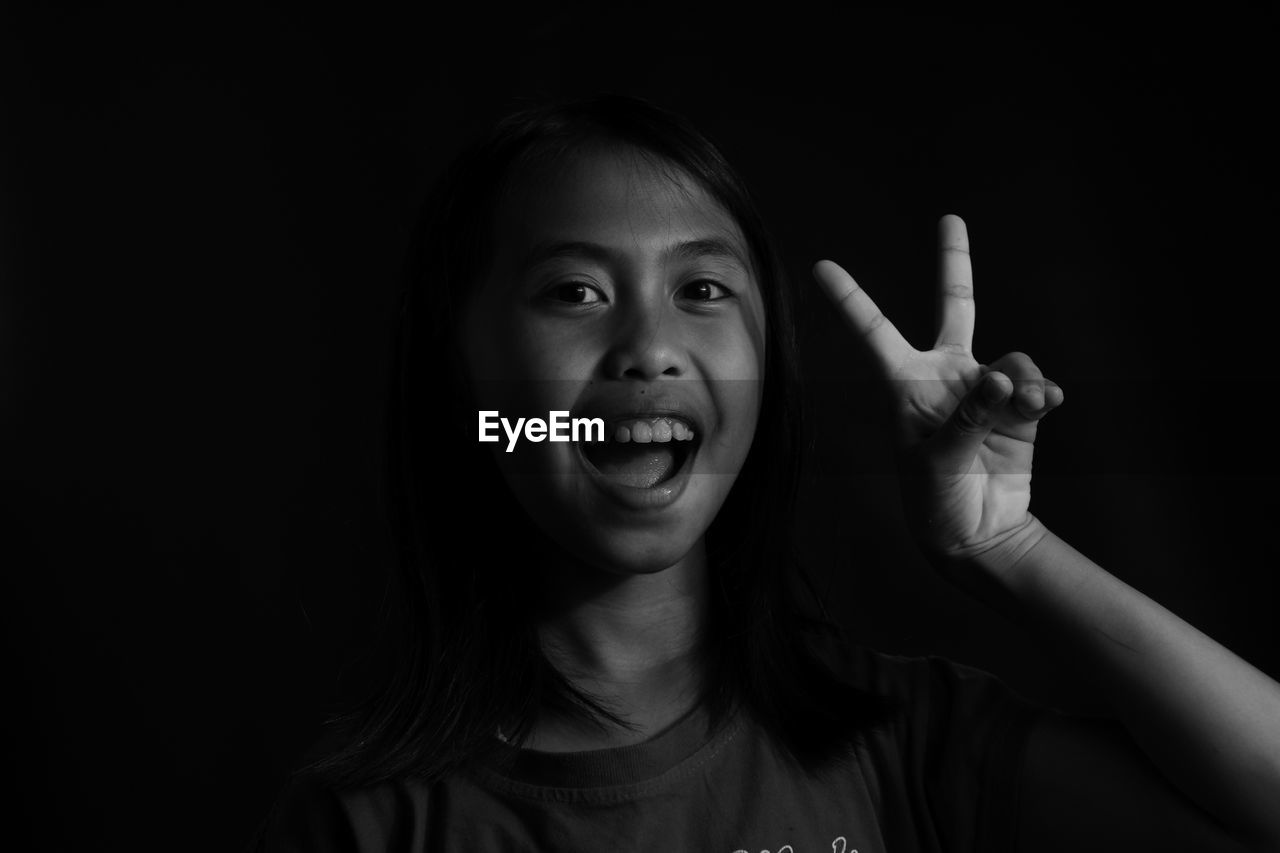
837	846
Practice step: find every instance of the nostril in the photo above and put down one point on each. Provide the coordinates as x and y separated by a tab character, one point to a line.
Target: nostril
642	374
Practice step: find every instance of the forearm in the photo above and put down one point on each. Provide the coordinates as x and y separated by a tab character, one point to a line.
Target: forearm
1206	718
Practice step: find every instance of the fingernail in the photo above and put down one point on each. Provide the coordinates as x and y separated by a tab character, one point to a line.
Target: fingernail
992	390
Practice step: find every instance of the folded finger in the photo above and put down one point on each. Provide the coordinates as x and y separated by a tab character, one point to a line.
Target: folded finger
1029	390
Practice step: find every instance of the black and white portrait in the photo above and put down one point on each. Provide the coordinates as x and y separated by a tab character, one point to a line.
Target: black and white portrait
615	430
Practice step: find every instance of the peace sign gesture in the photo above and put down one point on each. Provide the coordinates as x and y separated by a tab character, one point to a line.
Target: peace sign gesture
966	430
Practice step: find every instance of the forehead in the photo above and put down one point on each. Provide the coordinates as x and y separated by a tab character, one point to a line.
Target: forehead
617	199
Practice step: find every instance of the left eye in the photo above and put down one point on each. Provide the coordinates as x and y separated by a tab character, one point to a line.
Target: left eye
705	290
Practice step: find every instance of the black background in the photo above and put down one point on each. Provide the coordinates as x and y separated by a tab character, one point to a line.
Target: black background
203	218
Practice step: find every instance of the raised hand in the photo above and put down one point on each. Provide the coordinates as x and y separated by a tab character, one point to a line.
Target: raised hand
966	430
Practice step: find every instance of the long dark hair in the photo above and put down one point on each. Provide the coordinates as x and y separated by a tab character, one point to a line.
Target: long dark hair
466	658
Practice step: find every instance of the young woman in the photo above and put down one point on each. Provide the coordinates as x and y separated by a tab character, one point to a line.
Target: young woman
605	644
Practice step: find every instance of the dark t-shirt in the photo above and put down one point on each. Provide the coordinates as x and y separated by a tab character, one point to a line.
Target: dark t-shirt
940	776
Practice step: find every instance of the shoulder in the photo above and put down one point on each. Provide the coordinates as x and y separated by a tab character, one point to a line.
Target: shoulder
914	681
939	711
952	747
947	698
307	815
930	680
948	709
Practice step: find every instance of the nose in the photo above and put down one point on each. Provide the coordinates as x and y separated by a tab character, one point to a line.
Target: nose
646	346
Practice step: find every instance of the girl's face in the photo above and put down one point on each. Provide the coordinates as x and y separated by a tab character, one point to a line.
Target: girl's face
620	293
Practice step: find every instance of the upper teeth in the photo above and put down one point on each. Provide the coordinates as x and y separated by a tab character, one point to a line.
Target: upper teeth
645	430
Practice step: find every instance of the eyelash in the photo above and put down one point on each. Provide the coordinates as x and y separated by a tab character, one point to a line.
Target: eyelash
728	294
575	285
583	286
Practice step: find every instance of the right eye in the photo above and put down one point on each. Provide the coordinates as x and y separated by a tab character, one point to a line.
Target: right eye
576	293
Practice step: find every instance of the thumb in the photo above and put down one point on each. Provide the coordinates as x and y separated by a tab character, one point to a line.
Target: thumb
969	425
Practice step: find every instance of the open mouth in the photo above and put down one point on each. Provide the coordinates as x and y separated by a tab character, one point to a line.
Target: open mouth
642	452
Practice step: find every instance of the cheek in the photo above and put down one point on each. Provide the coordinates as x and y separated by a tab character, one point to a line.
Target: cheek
732	352
742	403
737	394
501	340
519	367
555	354
734	361
542	351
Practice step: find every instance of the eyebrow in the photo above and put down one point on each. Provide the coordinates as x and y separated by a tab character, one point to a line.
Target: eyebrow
705	247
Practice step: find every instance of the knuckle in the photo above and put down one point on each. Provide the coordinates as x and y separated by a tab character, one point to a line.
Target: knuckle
848	294
875	322
1020	365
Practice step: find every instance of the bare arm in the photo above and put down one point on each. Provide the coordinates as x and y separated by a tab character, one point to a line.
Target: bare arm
1206	722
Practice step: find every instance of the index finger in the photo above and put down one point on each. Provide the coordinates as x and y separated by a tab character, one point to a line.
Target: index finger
885	341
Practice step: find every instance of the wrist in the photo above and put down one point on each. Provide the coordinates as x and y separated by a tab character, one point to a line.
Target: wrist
995	562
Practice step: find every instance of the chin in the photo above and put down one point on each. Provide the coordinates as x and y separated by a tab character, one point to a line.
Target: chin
625	549
632	557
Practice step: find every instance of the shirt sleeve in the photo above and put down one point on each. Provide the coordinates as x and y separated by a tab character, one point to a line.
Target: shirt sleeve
951	757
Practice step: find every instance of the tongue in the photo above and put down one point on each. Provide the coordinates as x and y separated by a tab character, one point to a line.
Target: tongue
633	464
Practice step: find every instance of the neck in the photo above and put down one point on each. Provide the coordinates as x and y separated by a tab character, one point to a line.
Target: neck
633	641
